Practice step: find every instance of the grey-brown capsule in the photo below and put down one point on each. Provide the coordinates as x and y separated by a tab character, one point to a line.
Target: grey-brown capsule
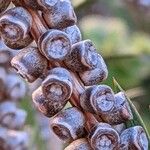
30	64
74	33
104	137
98	98
17	140
16	88
95	75
80	144
55	45
15	24
101	100
48	107
69	124
121	112
61	15
11	117
4	4
83	57
58	85
134	138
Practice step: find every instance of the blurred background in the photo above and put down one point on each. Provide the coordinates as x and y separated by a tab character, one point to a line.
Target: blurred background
120	30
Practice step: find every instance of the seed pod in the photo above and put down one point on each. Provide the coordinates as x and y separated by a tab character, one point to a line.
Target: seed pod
16	88
48	107
80	144
11	117
15	24
98	98
73	33
13	140
68	124
96	75
113	109
58	85
5	54
4	4
121	112
134	138
104	137
82	57
17	140
30	64
55	45
61	15
20	44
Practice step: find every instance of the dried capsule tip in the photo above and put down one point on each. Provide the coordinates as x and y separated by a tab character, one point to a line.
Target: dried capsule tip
48	107
30	64
55	45
134	138
83	57
74	34
96	75
68	125
104	137
100	98
61	15
58	85
15	24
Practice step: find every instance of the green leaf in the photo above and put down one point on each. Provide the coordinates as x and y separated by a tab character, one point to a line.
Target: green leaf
137	120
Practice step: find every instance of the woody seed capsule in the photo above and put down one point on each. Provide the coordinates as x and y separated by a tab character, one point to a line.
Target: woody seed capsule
11	117
48	107
15	24
82	57
74	33
30	64
58	85
55	45
61	15
134	138
69	124
100	99
16	88
96	75
104	137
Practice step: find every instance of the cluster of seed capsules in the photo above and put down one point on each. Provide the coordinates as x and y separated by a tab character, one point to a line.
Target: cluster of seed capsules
12	119
71	70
